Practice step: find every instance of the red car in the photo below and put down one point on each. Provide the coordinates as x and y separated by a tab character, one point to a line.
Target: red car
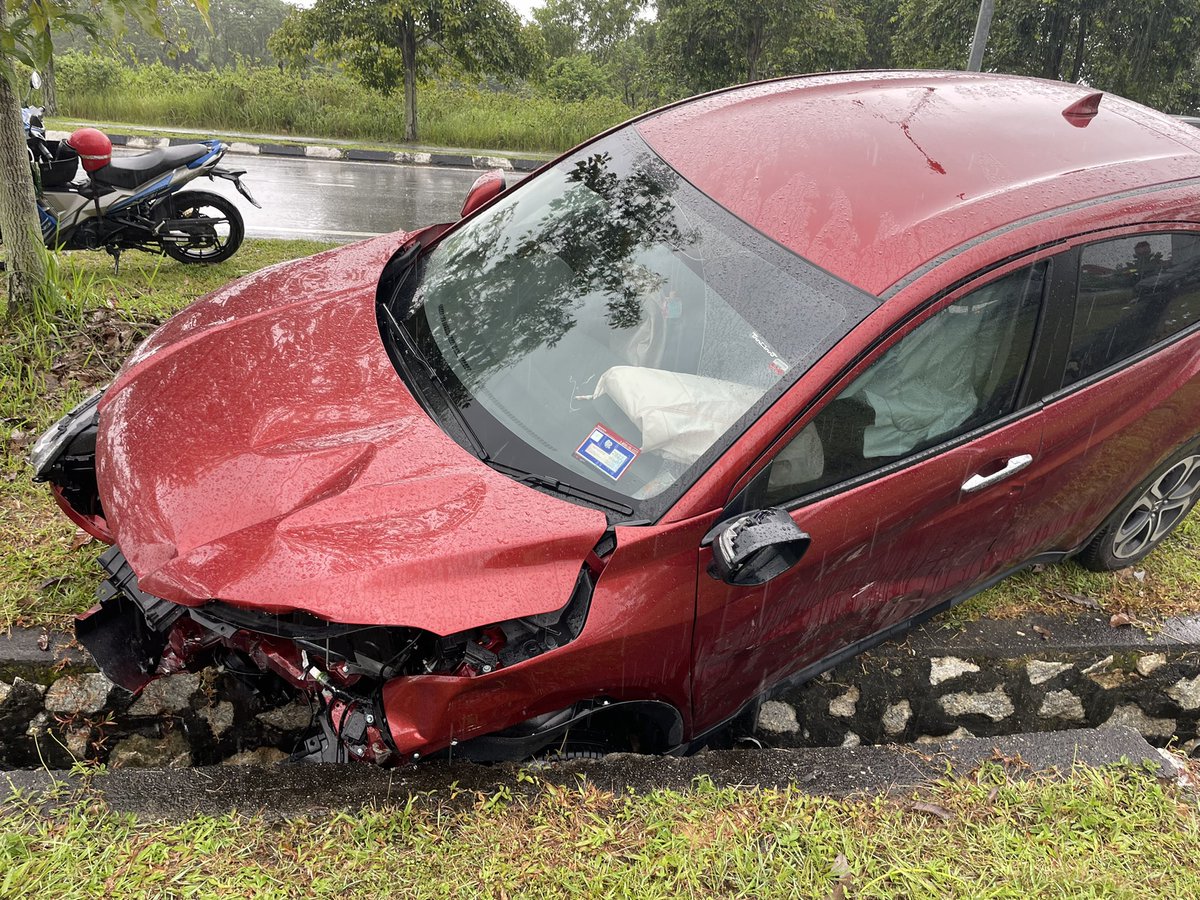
709	404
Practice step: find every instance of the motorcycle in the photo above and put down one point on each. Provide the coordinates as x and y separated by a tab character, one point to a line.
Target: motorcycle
132	202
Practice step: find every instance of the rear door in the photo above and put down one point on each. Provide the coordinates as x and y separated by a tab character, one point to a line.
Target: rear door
1124	390
906	476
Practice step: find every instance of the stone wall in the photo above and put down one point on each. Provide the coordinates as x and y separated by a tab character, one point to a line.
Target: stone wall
987	679
890	697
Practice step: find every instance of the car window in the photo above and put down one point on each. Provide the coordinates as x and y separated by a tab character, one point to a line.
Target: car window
1133	292
957	371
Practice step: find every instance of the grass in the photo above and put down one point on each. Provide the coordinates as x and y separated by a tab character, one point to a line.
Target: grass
1165	583
324	104
1099	833
46	574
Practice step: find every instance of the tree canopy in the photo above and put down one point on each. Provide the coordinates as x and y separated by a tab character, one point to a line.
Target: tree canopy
389	43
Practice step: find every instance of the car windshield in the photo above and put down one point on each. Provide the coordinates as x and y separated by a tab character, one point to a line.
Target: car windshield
617	323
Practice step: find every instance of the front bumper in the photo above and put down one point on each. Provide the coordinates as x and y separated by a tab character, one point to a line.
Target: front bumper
380	694
135	638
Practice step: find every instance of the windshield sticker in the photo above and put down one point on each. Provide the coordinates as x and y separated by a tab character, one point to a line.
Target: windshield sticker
778	366
608	452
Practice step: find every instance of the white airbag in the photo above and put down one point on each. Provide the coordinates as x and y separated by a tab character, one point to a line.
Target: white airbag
679	415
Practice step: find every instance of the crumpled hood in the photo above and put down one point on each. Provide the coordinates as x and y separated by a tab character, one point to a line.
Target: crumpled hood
260	448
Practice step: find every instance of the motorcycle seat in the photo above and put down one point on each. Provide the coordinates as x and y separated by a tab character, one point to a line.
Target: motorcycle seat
130	172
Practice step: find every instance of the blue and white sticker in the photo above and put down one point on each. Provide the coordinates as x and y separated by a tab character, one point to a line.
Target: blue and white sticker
607	452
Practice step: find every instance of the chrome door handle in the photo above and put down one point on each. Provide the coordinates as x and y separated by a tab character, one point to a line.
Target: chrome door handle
1012	467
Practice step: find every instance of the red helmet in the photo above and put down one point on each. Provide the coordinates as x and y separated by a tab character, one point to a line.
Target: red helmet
93	147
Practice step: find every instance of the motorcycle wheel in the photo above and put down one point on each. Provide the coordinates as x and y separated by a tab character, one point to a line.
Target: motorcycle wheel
211	242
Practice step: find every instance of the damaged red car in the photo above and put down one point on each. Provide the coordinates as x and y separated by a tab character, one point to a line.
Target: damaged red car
707	405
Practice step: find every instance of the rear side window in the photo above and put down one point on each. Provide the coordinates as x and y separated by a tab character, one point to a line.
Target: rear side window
1133	292
956	372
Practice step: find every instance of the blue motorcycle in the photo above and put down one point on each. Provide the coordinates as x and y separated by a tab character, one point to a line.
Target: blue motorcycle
132	202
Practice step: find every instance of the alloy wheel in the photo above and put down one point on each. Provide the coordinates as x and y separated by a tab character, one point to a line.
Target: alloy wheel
1159	509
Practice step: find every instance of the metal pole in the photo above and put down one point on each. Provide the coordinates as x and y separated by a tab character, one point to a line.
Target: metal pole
982	26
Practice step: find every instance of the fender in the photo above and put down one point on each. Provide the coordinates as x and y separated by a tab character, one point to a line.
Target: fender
234	175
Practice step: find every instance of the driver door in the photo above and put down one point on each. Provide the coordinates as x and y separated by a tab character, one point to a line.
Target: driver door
906	480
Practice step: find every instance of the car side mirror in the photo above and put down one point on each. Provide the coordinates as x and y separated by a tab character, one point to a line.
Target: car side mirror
486	186
35	80
754	548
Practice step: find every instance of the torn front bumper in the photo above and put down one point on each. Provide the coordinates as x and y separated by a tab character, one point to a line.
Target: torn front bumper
356	677
135	638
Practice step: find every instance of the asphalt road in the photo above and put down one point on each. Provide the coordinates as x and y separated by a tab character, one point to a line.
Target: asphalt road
342	201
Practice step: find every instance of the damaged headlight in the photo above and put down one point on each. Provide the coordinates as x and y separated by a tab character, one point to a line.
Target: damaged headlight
74	434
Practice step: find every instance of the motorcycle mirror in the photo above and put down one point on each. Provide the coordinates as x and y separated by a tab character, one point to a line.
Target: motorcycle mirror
486	186
35	80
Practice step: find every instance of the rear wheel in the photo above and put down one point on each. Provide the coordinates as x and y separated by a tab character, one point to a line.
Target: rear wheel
1148	515
201	227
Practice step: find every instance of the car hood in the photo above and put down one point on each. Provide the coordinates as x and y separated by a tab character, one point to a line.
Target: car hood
260	449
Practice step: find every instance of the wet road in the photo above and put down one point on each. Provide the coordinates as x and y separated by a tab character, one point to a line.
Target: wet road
342	201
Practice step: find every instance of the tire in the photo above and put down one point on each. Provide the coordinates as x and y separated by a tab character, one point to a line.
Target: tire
1150	513
211	244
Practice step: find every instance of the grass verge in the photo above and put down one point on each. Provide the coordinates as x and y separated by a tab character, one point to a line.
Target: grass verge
47	572
324	104
1099	833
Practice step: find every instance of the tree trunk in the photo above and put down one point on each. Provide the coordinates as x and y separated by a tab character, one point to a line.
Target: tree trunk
49	89
408	52
19	226
1080	43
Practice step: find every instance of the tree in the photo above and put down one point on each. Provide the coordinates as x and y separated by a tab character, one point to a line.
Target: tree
1140	51
388	43
708	44
591	26
25	40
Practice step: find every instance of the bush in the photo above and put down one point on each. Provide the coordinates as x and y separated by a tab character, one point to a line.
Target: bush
323	104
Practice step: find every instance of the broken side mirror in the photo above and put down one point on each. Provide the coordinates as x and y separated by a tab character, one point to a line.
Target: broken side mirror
754	548
486	186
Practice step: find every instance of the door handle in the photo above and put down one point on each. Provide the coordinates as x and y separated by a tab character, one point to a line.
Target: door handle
1012	467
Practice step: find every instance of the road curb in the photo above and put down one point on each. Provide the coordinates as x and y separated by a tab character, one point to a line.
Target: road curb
329	152
290	791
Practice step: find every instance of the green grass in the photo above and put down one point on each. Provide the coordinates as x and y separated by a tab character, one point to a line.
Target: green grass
1100	833
44	574
1165	583
324	104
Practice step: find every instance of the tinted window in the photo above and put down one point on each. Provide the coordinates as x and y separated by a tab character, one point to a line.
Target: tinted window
1133	292
959	370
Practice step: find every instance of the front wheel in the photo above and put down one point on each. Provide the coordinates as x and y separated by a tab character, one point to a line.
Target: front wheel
1148	515
200	227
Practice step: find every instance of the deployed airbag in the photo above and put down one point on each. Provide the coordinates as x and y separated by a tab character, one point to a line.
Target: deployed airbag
679	415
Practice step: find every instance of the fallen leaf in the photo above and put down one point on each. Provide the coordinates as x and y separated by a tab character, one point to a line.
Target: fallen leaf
1121	619
932	809
1079	599
841	866
44	641
993	794
80	539
1044	632
1140	574
53	582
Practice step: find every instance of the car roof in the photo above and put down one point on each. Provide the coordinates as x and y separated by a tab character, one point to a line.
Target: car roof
871	175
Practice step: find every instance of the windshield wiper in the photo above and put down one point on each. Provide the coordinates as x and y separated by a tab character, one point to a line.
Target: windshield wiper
408	347
560	487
